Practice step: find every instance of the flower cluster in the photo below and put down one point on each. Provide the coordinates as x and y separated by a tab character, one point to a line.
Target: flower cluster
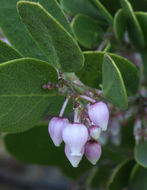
81	136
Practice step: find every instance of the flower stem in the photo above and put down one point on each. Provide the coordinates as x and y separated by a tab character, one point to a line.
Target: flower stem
87	98
76	119
64	106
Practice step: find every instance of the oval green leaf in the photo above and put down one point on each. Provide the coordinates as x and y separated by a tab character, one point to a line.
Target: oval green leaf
106	15
56	103
120	176
141	154
75	7
113	85
138	178
58	45
23	102
142	19
36	147
8	53
16	32
87	31
91	73
144	63
134	29
119	29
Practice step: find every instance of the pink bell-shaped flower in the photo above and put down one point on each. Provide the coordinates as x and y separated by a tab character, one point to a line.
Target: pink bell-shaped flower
94	132
55	129
75	136
93	151
99	114
74	160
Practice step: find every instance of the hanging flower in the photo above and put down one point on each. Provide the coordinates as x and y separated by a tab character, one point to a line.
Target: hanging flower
99	114
74	160
94	132
93	151
75	136
55	129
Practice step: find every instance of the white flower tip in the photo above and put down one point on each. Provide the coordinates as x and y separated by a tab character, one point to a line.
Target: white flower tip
57	144
76	154
104	127
74	165
74	159
93	162
95	132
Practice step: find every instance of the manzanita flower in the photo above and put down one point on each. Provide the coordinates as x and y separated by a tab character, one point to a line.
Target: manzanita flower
99	114
94	132
74	160
75	136
55	129
93	151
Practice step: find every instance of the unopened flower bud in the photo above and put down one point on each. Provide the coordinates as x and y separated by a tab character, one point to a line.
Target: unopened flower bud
55	129
93	151
99	114
95	132
75	136
74	160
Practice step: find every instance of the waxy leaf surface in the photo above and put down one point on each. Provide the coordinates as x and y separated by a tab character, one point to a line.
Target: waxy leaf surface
87	31
15	30
56	103
138	178
58	45
75	7
7	52
106	15
91	73
23	102
113	85
144	63
134	29
141	154
119	24
142	19
120	176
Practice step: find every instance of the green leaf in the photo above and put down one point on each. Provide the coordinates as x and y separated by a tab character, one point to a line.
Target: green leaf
75	7
56	43
87	31
23	102
113	5
112	154
36	147
141	154
103	11
91	73
144	63
139	5
15	31
138	178
142	19
119	29
113	85
56	103
134	29
7	52
120	176
127	135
